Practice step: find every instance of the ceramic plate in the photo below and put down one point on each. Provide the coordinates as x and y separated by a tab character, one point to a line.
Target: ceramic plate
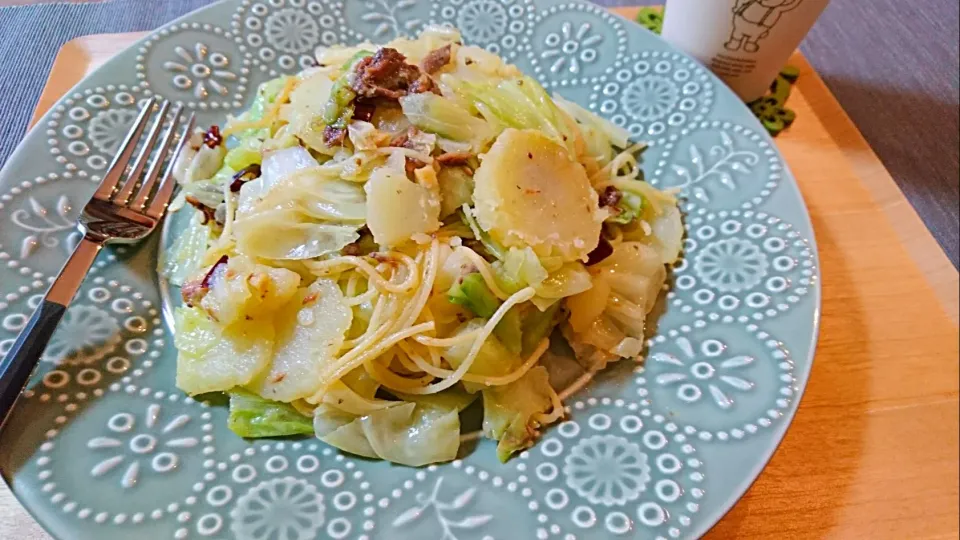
103	446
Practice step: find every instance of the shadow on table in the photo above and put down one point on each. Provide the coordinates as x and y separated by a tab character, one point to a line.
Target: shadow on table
916	137
819	457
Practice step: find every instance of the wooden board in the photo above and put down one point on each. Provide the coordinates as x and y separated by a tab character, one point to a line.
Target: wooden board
873	452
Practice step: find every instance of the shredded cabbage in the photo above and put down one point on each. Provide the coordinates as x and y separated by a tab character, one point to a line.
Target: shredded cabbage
519	268
522	103
601	135
435	114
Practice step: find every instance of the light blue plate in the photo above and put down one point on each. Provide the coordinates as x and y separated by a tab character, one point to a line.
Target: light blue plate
104	447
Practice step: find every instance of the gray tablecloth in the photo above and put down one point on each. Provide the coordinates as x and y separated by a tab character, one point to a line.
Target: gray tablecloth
892	65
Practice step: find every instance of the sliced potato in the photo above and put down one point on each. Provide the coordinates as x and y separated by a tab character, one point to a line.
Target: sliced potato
309	98
310	332
397	208
246	291
213	358
530	192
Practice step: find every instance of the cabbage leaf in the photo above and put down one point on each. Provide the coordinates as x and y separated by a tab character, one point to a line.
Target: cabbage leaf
310	330
471	291
493	360
185	256
286	235
412	434
509	411
518	269
274	169
535	326
253	417
456	190
312	214
601	135
521	103
408	433
607	322
442	116
493	247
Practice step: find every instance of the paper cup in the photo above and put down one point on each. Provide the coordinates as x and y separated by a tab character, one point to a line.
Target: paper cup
745	42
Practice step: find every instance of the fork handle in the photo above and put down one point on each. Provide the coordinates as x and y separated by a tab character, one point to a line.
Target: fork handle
19	362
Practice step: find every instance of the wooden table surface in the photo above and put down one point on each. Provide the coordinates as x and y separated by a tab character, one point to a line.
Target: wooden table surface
873	452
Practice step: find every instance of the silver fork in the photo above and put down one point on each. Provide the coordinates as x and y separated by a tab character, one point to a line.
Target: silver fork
118	212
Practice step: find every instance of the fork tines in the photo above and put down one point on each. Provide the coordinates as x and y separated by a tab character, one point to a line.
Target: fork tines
121	181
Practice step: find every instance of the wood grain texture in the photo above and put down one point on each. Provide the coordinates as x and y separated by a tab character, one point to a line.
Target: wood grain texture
873	452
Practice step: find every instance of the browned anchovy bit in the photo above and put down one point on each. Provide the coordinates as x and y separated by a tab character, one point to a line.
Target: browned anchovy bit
212	137
436	59
386	74
244	175
208	213
333	136
599	253
610	196
454	158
